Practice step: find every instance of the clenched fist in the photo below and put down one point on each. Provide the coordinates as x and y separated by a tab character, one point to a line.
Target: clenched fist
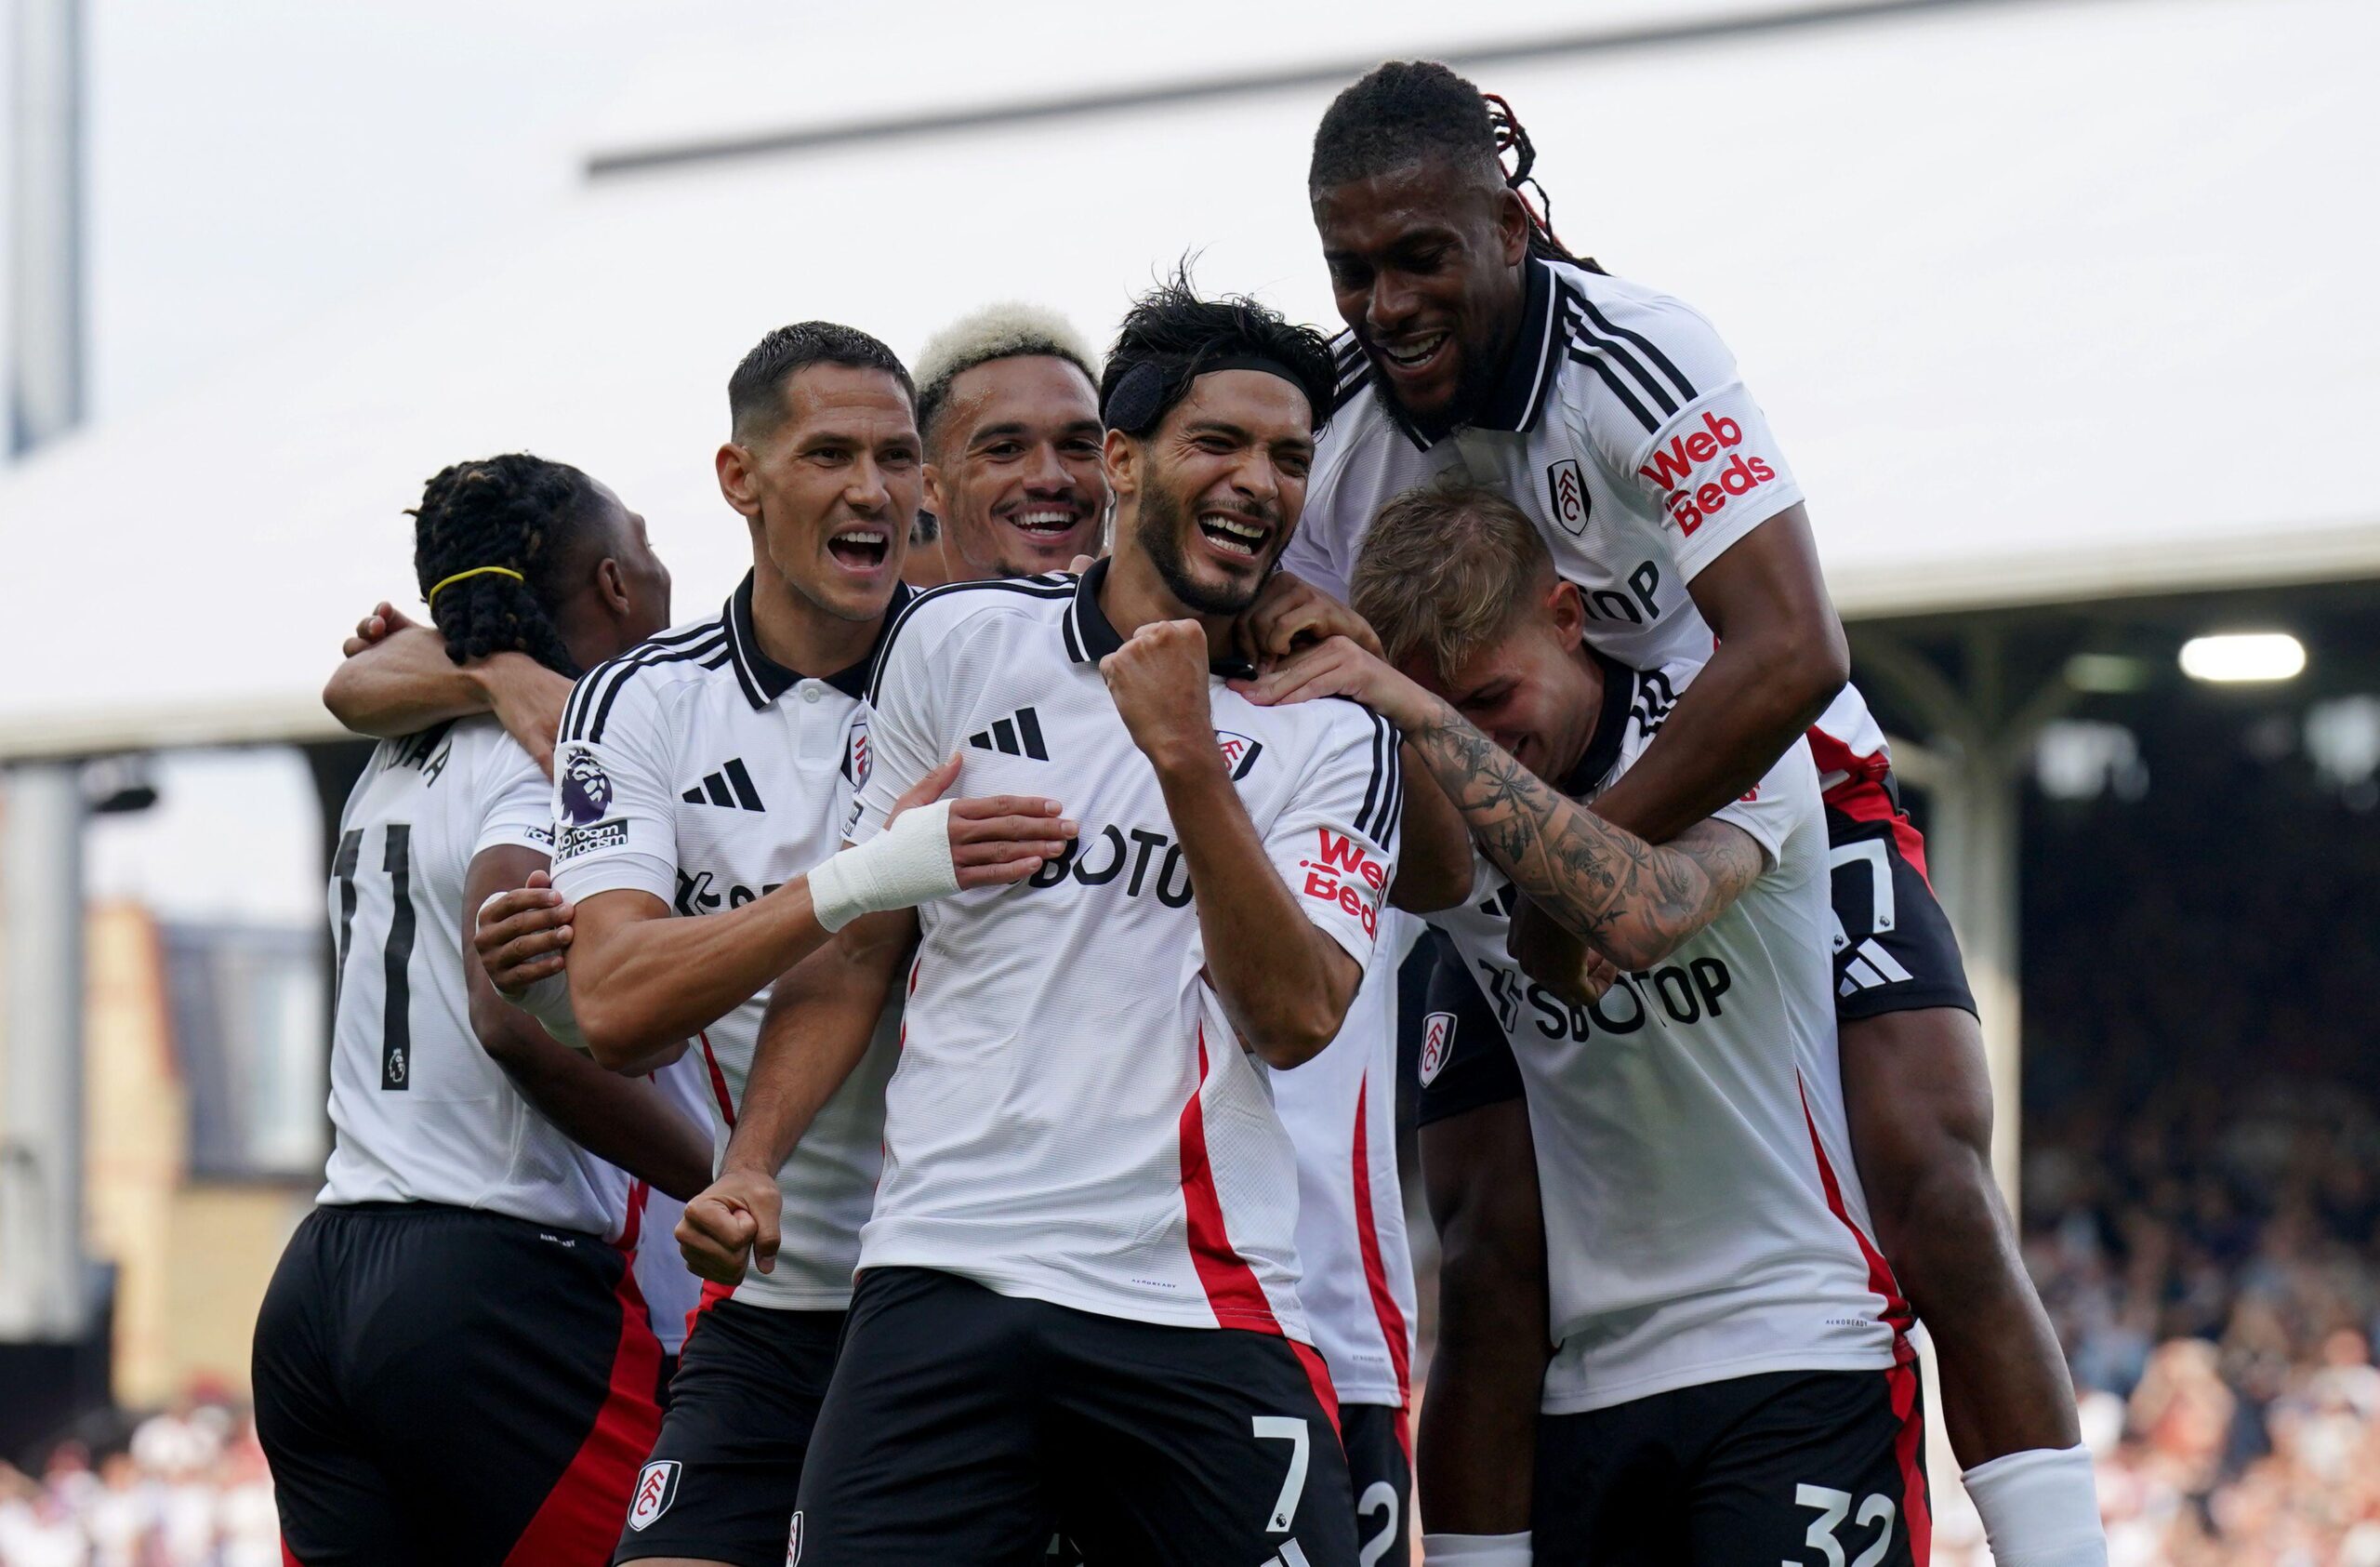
730	1224
1159	681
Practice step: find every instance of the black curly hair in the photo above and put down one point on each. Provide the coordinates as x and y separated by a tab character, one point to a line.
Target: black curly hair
523	513
1408	110
1170	337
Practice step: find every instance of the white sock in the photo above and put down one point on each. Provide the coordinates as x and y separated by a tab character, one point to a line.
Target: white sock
2040	1508
1476	1551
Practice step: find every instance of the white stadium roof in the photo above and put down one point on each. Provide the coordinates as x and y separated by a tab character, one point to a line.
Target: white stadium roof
2046	301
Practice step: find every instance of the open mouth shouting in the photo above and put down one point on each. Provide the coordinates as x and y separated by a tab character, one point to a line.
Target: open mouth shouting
1235	533
861	547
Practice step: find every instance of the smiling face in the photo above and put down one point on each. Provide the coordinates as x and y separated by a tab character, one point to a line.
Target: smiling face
1217	486
1425	265
1533	689
831	488
1015	477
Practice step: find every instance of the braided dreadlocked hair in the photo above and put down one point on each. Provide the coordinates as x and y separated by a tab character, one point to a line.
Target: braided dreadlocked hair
517	511
1409	110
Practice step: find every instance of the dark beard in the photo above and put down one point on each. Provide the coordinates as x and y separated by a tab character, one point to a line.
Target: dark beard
1159	528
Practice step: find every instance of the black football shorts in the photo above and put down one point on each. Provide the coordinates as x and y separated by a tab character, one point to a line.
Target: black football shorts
721	1483
1894	951
437	1384
965	1425
1805	1468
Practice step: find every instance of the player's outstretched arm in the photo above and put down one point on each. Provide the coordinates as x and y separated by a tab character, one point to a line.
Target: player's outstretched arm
1632	901
1284	984
1478	1428
640	979
613	1117
1780	659
820	1019
397	680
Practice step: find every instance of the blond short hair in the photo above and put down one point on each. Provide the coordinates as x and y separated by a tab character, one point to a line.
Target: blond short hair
1008	330
1446	569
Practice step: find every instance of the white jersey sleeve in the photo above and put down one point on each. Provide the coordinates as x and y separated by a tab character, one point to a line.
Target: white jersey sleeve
1334	843
1707	462
614	811
519	806
1770	810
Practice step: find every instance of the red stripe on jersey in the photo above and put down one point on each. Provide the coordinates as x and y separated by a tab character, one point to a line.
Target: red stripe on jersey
1317	1371
288	1557
579	1519
1392	1321
1909	1447
718	1082
1237	1299
1898	1315
1865	799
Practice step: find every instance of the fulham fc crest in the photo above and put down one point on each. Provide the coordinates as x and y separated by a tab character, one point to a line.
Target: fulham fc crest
656	1487
793	1542
1566	493
1437	1043
856	759
1239	753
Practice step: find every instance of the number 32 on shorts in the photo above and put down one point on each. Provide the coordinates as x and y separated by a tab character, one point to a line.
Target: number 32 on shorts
1876	1511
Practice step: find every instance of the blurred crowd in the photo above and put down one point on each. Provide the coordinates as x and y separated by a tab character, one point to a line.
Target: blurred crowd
189	1489
2211	1257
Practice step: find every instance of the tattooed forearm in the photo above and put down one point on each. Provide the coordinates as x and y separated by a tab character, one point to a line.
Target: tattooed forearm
1631	901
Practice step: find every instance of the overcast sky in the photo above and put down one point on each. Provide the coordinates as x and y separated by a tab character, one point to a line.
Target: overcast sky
257	164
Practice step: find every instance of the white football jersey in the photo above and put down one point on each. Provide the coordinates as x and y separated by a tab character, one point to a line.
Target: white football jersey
1357	1282
1703	1217
420	1112
1622	429
1073	1118
698	769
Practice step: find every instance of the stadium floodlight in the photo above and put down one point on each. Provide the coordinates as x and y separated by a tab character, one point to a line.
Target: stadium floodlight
2240	658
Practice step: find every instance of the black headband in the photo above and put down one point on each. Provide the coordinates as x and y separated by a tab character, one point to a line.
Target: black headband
1147	390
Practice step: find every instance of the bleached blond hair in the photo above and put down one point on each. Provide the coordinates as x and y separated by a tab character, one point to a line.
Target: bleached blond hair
1007	330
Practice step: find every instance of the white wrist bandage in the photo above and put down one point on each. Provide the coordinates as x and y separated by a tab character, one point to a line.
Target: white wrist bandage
907	864
548	1001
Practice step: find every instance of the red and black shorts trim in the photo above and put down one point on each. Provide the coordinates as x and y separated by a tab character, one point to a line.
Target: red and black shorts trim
1894	950
722	1482
1790	1466
965	1425
436	1383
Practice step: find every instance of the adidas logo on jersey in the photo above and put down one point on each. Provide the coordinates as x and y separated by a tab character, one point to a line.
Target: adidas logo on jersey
1870	967
1018	735
731	786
